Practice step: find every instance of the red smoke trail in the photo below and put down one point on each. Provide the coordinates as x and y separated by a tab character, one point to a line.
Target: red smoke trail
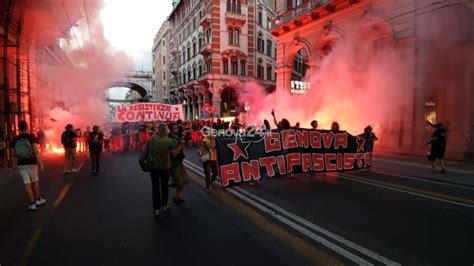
72	91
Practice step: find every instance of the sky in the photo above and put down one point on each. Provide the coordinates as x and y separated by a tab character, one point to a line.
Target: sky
131	26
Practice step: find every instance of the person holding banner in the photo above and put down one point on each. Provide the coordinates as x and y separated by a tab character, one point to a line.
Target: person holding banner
178	171
208	157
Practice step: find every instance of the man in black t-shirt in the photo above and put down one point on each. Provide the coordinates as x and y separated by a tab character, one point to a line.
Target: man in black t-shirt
25	148
95	147
69	141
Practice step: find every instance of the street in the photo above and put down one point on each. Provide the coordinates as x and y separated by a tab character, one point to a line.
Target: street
348	218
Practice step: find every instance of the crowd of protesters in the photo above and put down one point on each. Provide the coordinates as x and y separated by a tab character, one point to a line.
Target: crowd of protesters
166	141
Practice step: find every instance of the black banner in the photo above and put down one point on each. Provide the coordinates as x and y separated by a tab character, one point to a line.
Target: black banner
280	152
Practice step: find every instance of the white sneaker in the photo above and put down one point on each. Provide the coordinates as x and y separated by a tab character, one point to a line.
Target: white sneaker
32	207
165	209
73	170
40	201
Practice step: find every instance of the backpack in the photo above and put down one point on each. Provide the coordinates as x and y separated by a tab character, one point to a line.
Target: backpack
66	139
23	149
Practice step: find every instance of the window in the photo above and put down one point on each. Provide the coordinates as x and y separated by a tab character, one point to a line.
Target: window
189	74
208	36
194	47
260	43
234	36
163	43
260	70
260	18
164	60
189	51
269	73
200	68
242	68
300	65
293	3
234	66
269	47
225	66
234	6
164	75
200	41
194	72
230	33
184	55
209	65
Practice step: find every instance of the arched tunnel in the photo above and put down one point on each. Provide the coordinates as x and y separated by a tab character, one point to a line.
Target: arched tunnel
144	96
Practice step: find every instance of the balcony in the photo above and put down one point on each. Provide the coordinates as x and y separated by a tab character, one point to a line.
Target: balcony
298	11
206	20
233	18
174	70
206	49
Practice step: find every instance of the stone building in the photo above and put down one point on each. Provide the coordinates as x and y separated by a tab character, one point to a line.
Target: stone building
214	45
161	60
433	39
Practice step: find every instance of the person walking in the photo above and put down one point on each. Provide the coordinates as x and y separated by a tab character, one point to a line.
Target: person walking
95	143
41	137
3	146
438	146
85	138
161	148
178	171
25	148
208	149
69	141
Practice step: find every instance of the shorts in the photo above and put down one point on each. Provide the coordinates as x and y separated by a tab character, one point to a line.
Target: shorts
70	153
179	174
29	173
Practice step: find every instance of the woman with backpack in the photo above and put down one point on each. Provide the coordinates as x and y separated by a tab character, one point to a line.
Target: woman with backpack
25	147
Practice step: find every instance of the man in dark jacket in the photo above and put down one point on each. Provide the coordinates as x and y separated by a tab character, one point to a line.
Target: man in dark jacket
95	147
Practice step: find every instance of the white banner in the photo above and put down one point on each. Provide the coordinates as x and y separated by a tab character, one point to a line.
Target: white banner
148	112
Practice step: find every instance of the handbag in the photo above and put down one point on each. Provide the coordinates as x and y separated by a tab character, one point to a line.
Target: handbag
145	159
204	157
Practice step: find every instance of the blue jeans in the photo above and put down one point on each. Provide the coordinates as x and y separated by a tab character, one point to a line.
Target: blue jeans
159	182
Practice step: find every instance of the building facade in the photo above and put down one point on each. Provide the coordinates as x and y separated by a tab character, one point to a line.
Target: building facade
213	48
438	84
22	52
161	60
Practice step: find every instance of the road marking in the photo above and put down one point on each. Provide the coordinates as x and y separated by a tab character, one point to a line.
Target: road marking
25	256
422	165
321	230
424	179
356	259
63	193
412	191
305	249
